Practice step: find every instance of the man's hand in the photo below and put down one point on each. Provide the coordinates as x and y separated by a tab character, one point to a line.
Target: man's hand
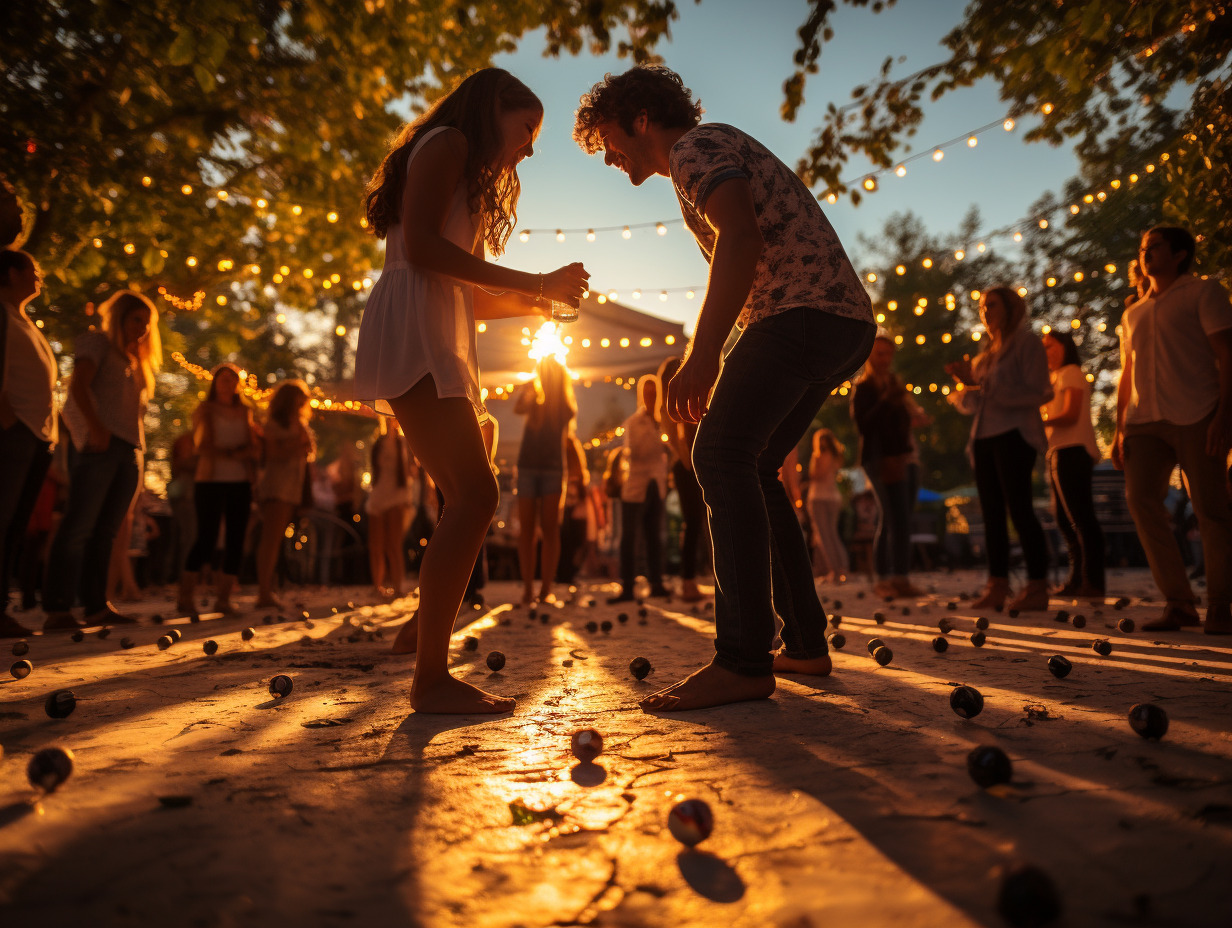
1118	450
688	394
1219	434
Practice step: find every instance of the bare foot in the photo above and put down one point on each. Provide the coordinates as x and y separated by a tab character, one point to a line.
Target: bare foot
528	597
816	666
268	602
408	637
451	696
710	686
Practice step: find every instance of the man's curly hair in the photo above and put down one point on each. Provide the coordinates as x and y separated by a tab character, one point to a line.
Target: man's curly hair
651	89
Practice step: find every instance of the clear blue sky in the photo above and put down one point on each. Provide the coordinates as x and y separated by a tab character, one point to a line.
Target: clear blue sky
735	55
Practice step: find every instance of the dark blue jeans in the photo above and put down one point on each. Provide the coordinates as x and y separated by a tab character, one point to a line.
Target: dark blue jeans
101	487
895	503
24	459
772	383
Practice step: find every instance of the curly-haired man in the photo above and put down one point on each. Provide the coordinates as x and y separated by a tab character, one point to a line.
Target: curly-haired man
778	273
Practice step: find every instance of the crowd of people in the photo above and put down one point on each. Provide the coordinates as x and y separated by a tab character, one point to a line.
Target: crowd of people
719	429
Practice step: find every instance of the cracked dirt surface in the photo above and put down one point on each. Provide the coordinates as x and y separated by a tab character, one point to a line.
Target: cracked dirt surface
842	800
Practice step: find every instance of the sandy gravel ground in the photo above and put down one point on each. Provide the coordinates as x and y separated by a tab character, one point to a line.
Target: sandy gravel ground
199	800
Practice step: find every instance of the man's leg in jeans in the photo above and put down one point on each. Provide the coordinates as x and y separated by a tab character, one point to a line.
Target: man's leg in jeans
1149	459
792	590
1208	491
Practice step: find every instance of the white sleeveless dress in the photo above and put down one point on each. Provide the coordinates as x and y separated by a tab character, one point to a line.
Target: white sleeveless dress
417	322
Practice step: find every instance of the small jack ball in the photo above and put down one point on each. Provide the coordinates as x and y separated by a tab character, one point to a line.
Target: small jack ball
879	618
21	648
470	643
988	765
951	605
640	668
164	642
1125	625
1013	613
533	614
156	619
1079	621
210	647
643	612
978	639
906	610
78	636
544	619
592	627
104	631
175	634
1102	647
248	634
838	641
60	704
496	660
883	656
21	669
966	701
940	644
981	623
605	625
622	618
945	626
586	745
1059	666
1028	898
267	620
49	768
281	686
838	604
1062	615
836	620
1121	602
874	644
1148	720
690	822
127	643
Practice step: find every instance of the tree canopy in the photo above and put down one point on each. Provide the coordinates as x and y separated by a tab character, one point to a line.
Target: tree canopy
1095	71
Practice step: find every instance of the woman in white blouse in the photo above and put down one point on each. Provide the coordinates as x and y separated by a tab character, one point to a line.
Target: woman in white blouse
641	497
1003	390
1072	454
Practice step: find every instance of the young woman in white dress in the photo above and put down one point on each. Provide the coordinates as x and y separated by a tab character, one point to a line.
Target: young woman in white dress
448	190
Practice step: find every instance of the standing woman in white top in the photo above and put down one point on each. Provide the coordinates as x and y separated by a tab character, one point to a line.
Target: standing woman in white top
226	446
1072	454
27	415
388	507
1003	390
825	504
641	495
113	379
448	190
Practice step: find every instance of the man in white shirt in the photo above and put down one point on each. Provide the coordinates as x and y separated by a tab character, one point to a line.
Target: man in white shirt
1174	406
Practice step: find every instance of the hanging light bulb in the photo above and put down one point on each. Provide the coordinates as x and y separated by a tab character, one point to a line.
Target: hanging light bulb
972	141
831	197
524	236
870	183
637	294
1008	125
1043	223
938	154
626	233
662	296
661	228
927	262
560	235
1018	236
901	170
590	235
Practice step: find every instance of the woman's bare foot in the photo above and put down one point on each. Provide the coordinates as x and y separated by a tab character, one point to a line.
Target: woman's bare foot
710	686
528	597
408	637
269	601
815	666
451	696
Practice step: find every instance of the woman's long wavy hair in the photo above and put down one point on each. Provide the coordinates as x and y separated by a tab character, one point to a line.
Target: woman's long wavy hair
150	349
212	395
291	398
400	463
473	108
553	392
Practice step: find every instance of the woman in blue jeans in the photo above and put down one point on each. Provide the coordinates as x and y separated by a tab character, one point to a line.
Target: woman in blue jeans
113	379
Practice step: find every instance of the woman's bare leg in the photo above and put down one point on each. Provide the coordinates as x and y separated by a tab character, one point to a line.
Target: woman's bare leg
395	557
376	549
275	516
549	517
444	435
527	509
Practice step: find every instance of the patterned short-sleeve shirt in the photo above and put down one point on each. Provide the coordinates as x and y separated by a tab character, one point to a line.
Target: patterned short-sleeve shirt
803	263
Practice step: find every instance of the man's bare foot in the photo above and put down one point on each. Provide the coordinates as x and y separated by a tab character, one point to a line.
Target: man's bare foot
710	686
451	696
408	637
816	666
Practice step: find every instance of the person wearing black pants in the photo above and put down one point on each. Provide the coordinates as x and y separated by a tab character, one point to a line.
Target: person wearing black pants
1003	390
1072	453
28	426
641	496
